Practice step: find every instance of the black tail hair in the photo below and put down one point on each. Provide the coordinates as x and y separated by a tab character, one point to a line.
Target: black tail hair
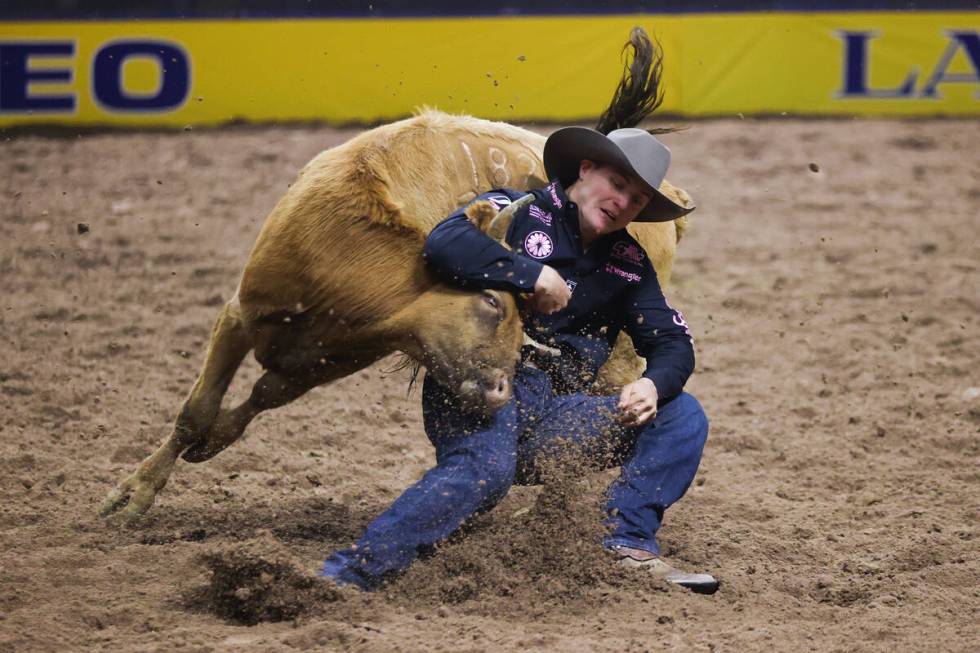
639	92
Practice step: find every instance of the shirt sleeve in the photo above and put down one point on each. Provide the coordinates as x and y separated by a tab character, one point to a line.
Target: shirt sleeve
463	255
660	335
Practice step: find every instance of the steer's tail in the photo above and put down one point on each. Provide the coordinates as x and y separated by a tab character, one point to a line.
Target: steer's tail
639	94
640	91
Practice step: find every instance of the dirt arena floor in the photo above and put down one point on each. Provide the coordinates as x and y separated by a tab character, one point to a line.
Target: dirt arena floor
836	310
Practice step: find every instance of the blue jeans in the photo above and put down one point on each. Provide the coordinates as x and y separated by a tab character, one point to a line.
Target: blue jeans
478	458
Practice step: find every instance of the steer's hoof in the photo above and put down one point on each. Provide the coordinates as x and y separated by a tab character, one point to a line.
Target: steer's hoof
127	502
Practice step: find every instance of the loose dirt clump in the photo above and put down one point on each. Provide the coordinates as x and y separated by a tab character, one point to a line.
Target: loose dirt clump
260	581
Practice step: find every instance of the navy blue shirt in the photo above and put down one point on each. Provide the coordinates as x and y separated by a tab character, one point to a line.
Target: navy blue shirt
614	288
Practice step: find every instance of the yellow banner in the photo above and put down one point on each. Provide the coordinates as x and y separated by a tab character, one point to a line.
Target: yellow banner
844	64
562	69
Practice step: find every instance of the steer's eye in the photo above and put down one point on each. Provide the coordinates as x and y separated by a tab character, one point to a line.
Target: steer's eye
493	300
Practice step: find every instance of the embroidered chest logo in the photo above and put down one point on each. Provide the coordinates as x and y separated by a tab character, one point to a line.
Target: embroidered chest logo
538	245
541	215
627	251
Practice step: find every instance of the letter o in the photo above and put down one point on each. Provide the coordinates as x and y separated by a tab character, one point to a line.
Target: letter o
107	76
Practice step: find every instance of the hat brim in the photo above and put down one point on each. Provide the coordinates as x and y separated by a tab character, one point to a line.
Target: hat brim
563	154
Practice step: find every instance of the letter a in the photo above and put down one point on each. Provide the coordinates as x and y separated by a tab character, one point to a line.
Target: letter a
970	42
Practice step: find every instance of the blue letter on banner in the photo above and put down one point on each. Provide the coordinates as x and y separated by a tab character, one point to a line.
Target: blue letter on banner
16	77
970	42
174	76
856	70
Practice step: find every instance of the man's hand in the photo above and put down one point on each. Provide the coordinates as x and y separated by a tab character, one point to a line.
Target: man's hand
551	293
638	402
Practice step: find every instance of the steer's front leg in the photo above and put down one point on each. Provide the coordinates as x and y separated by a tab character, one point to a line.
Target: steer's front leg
229	345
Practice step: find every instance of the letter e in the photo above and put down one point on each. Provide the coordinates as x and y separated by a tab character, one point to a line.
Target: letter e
16	77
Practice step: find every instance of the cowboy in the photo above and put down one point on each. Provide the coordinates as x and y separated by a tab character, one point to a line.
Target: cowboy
587	280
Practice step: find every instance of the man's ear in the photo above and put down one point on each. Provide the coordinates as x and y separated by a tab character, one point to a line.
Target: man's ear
585	167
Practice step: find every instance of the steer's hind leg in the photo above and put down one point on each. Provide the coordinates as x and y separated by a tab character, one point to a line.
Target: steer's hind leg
228	346
272	390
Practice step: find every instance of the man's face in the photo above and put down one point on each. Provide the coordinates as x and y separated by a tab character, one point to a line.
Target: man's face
607	199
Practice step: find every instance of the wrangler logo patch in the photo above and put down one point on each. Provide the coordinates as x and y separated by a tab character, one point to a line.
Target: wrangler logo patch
632	277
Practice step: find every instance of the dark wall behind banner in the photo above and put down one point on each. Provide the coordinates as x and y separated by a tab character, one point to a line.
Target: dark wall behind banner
123	9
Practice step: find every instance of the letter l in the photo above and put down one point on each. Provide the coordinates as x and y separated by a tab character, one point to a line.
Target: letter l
856	69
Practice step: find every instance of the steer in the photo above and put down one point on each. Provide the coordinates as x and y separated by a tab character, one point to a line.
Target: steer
336	279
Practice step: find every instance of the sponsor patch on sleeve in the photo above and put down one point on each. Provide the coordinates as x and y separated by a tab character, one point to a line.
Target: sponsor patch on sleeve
500	201
538	245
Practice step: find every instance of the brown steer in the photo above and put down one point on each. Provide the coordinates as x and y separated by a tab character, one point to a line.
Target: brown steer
336	279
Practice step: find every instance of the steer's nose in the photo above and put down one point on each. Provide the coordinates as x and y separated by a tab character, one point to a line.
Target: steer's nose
497	390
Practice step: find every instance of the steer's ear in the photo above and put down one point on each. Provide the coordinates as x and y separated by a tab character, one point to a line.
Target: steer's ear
500	224
481	213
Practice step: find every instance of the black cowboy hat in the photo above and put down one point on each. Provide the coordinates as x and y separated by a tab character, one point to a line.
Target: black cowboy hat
631	150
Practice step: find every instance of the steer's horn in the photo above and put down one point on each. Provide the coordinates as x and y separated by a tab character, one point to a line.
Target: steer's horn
501	223
544	349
